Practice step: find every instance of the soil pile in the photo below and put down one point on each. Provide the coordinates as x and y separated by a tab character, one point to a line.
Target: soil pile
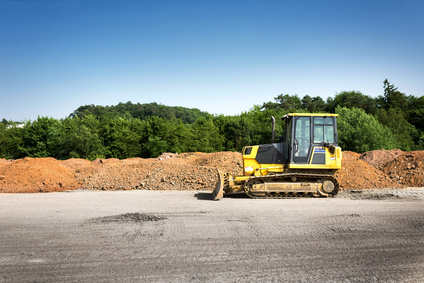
187	171
407	169
379	158
358	174
32	175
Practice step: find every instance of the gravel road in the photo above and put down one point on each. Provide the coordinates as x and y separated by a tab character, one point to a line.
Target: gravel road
175	236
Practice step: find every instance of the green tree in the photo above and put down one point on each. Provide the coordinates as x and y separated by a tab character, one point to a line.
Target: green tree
154	131
361	132
205	136
129	110
415	113
11	140
154	146
176	136
352	99
395	121
393	98
313	104
122	138
284	102
230	128
81	139
41	137
3	140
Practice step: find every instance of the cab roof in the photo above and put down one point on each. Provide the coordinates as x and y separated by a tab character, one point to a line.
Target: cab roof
311	115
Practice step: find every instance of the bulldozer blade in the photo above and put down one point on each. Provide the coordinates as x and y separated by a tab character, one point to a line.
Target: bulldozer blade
218	193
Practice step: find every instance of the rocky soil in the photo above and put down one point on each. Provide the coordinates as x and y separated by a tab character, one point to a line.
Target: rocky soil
194	171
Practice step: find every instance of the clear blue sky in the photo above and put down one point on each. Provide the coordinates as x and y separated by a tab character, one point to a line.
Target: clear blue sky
222	57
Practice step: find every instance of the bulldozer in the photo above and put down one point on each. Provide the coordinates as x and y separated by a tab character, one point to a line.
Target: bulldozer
302	163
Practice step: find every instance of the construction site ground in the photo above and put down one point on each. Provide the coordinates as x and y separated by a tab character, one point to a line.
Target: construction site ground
183	236
194	171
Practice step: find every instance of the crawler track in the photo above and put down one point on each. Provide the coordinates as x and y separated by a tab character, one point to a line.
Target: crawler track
287	178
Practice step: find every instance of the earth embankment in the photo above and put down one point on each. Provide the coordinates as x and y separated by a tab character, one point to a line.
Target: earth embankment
194	171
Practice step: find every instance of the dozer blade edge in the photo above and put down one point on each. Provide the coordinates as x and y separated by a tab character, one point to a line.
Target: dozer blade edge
218	193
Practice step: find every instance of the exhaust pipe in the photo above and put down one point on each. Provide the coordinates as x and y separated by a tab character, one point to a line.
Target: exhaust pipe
273	129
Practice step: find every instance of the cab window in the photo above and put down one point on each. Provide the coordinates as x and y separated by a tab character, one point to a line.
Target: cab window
323	130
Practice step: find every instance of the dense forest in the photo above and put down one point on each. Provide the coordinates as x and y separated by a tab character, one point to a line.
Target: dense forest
392	120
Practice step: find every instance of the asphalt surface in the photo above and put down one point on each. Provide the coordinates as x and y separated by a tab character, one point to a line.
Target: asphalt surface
158	236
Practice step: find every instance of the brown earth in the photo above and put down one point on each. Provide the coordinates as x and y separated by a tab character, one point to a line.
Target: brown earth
194	171
358	174
187	171
378	158
407	169
33	175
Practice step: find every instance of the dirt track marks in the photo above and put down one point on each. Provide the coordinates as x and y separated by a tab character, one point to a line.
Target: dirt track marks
128	217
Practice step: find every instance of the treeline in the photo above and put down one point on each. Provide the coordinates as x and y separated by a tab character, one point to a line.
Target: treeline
392	120
141	111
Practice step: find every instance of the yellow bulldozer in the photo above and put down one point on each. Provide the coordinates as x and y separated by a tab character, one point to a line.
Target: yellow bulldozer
303	163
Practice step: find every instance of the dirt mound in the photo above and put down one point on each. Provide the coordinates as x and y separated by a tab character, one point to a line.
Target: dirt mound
31	175
403	168
358	174
407	169
187	171
379	158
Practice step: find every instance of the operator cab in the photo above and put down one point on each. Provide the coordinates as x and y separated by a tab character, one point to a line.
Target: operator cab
307	135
